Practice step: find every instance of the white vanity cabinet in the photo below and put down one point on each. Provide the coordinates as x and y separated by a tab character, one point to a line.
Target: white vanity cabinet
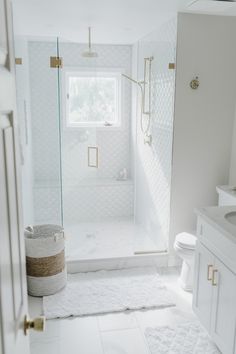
214	295
202	294
224	308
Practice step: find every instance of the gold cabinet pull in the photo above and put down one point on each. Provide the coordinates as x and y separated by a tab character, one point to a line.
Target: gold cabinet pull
213	282
209	271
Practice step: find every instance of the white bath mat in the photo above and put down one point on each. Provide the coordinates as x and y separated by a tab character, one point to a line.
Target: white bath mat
187	338
108	291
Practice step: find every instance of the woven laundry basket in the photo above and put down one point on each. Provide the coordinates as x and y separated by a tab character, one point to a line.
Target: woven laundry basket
45	259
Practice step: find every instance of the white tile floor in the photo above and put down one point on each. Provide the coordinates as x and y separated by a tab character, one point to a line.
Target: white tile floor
117	333
111	238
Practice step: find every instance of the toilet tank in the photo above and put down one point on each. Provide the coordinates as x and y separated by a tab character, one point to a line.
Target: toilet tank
226	195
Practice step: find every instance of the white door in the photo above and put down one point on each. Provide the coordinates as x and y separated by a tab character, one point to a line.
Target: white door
223	329
13	295
202	292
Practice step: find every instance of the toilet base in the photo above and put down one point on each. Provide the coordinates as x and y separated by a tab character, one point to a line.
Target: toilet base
186	277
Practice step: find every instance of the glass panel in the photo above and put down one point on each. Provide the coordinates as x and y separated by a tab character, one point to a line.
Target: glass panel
96	151
153	162
80	150
38	111
79	140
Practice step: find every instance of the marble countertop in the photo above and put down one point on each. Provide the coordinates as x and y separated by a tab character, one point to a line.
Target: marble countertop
216	217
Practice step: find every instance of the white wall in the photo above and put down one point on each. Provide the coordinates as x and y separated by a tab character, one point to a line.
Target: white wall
204	117
24	114
232	175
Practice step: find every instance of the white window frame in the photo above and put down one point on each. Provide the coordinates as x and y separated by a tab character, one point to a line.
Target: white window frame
98	72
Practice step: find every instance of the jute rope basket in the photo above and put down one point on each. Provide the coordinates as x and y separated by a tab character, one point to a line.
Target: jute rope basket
45	259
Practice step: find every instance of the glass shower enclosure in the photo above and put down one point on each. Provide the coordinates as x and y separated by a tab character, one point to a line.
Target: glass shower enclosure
85	163
97	160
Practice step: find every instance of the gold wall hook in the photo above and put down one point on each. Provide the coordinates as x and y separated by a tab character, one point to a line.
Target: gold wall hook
194	84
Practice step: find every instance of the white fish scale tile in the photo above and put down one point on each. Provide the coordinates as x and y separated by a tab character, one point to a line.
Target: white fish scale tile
114	146
96	202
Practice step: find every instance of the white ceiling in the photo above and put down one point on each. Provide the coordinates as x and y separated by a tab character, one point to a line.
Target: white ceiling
112	21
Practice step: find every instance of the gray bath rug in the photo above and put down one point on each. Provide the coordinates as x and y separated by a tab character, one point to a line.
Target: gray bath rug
108	291
187	338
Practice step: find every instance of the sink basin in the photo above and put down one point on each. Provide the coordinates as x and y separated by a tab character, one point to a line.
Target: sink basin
231	217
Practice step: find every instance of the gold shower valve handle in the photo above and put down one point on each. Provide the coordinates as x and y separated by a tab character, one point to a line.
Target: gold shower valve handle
37	324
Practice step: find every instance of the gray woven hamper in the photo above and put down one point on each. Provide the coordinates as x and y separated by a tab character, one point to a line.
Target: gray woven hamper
45	259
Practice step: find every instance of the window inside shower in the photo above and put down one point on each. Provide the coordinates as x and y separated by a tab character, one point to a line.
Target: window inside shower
85	161
91	98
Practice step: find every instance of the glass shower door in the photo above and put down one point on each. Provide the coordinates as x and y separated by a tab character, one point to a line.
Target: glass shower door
38	110
97	173
154	162
80	150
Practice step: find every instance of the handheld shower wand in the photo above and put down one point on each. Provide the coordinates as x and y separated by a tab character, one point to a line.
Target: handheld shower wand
142	86
133	80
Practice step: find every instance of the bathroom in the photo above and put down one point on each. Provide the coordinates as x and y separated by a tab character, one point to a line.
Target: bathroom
127	143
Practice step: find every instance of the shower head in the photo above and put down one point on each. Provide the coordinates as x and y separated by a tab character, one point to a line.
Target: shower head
89	53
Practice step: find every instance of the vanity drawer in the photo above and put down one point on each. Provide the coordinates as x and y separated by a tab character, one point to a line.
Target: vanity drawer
217	242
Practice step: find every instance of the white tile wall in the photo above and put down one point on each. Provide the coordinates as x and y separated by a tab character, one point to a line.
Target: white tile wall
45	111
24	116
114	145
47	204
96	202
45	133
80	203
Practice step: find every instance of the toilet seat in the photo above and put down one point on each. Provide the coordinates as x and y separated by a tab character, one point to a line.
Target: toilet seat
185	240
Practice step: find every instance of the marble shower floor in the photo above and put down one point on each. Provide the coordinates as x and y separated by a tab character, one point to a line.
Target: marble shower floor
116	333
109	239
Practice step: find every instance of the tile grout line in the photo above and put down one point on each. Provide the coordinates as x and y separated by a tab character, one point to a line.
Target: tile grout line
161	273
142	333
100	334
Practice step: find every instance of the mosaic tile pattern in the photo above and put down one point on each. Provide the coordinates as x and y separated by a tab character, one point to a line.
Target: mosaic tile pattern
47	204
114	146
93	203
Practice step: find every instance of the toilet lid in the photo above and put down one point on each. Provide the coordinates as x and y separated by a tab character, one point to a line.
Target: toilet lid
186	240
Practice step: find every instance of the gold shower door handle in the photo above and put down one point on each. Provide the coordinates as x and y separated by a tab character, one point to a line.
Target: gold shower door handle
93	156
209	271
214	283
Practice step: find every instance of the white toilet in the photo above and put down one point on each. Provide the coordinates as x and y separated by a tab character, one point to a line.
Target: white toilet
185	242
185	246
